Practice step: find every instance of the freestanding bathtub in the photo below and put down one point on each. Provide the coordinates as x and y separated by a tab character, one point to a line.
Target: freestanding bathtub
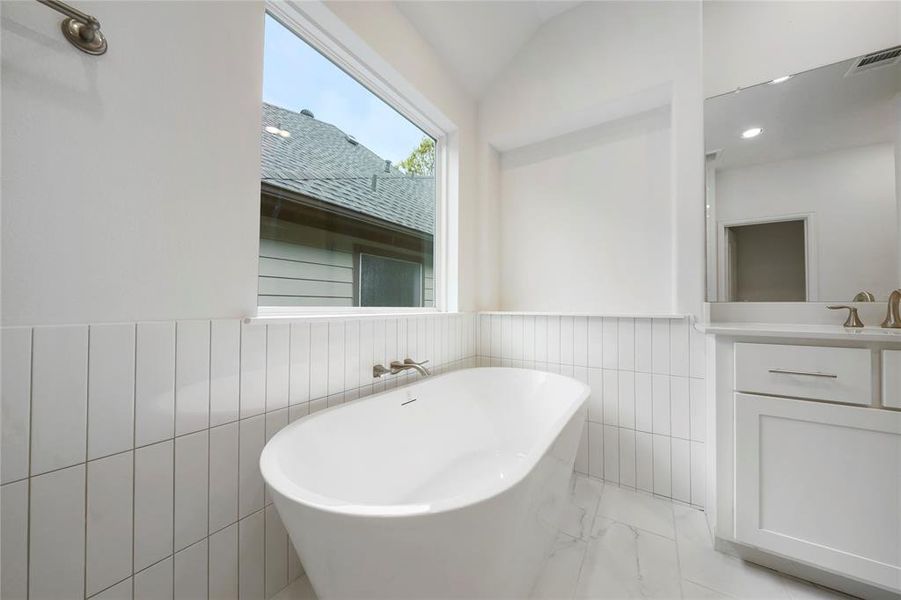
451	487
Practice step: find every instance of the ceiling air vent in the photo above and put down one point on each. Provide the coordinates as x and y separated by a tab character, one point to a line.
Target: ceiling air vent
883	58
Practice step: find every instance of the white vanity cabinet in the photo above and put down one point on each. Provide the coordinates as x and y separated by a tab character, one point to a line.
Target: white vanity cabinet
820	483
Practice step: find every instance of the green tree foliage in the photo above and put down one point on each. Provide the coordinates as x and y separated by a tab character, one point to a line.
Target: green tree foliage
422	160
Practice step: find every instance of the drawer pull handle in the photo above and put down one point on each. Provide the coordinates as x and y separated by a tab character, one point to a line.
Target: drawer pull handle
807	373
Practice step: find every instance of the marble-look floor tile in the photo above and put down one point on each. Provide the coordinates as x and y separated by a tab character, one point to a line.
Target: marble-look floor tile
299	589
560	574
623	561
703	565
639	510
691	526
578	516
693	591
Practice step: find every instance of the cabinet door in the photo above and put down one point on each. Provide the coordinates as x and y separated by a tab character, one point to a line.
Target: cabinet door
820	483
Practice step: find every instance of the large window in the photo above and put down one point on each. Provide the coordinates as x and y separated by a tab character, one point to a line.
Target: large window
348	191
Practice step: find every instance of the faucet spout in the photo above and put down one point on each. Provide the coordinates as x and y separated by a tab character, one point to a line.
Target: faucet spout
893	314
409	363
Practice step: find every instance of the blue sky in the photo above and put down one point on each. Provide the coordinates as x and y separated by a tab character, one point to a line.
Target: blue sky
296	77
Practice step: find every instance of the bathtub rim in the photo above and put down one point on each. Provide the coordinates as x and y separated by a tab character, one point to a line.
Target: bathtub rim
280	483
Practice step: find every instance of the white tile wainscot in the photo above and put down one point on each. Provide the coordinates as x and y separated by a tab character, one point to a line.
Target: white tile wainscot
131	450
646	416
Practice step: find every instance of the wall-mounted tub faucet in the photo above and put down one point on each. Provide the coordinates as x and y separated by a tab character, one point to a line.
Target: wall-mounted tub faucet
398	366
893	314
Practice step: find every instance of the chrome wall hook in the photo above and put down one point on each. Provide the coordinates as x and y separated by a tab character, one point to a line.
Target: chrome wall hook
82	30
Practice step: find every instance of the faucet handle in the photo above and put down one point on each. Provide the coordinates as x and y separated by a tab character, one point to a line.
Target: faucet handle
410	361
853	319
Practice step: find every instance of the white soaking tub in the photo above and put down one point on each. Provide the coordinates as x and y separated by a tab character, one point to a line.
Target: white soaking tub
452	487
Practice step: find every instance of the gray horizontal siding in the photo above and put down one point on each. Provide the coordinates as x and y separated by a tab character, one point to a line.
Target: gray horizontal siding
303	301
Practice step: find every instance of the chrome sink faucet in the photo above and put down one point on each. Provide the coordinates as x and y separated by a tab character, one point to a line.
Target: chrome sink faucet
398	366
893	314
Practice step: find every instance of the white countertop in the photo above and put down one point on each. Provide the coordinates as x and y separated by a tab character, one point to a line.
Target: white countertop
811	332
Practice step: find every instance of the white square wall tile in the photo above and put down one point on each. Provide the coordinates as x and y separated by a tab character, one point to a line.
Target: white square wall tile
319	340
277	367
109	521
56	545
627	399
663	481
59	397
111	389
698	418
276	552
596	450
680	412
14	540
611	397
251	553
681	469
299	373
626	343
192	376
154	382
223	567
644	461
627	457
679	347
644	412
154	508
698	474
595	342
611	453
253	370
155	582
250	488
225	371
611	343
191	572
644	349
223	508
15	394
191	488
660	346
660	385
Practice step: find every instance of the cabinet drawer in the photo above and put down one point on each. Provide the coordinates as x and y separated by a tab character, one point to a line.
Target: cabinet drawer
891	378
814	372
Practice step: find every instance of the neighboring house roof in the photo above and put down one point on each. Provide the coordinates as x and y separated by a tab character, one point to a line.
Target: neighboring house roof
321	161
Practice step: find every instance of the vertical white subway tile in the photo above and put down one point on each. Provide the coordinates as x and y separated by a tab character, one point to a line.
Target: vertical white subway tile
225	369
611	342
111	387
506	336
644	461
253	369
679	347
192	376
663	483
224	459
275	421
297	411
553	339
567	340
278	343
56	545
660	346
697	355
516	327
154	382
422	339
567	370
299	374
661	404
336	356
580	341
611	397
596	450
484	335
528	338
319	359
191	572
295	569
154	492
413	338
401	350
251	553
627	457
681	463
596	342
276	553
155	582
582	455
626	342
698	401
698	474
391	345
14	540
611	453
352	354
627	399
643	345
366	359
496	336
120	591
223	565
318	404
59	397
15	394
680	412
541	339
596	400
250	489
644	411
109	521
192	462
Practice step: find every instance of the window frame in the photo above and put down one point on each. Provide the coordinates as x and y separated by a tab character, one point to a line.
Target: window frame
317	26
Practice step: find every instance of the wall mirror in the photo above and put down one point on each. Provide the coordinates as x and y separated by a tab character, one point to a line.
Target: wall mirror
802	177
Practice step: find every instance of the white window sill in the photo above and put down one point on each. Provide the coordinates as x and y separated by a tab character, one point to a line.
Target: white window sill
281	314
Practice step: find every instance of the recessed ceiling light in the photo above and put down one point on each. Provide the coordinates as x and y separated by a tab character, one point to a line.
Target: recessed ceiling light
751	133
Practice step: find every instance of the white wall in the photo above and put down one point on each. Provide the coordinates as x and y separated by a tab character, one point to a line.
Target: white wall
850	194
595	64
750	42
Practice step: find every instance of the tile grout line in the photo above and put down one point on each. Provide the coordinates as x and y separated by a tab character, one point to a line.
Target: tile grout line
87	431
